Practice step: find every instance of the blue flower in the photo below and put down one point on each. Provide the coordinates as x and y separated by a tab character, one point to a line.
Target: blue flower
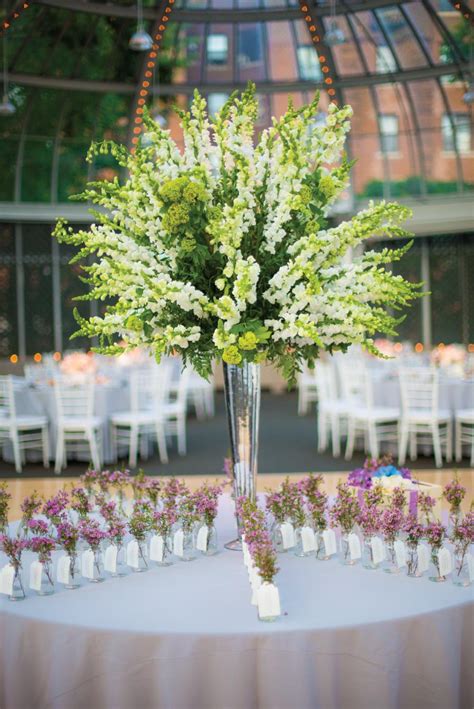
386	471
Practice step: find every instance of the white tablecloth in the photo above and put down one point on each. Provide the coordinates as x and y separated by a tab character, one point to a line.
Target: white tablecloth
186	637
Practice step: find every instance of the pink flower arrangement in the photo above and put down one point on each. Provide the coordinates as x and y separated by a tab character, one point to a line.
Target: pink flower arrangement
391	523
310	486
13	548
54	508
257	538
454	494
413	529
345	509
78	365
448	355
369	520
80	502
163	521
92	533
435	534
30	506
462	535
67	536
317	507
426	503
206	500
43	546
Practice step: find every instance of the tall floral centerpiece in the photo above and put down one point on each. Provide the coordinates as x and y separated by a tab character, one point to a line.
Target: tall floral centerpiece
224	250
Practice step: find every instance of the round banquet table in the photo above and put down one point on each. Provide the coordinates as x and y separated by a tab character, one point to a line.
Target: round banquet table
187	637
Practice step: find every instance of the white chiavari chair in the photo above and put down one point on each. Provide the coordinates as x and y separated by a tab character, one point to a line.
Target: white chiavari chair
464	432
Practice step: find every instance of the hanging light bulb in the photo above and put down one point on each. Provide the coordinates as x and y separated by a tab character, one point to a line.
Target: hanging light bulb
7	108
469	95
334	34
140	41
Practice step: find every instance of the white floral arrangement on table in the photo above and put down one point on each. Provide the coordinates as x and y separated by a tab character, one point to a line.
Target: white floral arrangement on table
451	357
78	364
224	250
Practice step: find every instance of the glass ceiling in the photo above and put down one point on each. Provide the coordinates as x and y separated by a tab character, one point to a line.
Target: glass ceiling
402	65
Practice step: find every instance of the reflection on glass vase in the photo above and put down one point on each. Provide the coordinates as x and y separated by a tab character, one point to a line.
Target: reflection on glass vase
345	555
167	551
298	548
438	578
321	547
211	542
189	549
368	555
390	565
17	592
46	585
277	538
97	568
120	566
412	561
142	557
454	518
74	573
460	574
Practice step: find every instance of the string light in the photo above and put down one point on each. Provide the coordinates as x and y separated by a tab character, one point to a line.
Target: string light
419	347
57	356
14	359
312	26
148	74
17	12
37	357
464	10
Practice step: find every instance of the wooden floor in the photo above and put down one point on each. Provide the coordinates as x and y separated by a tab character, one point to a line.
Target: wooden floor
47	486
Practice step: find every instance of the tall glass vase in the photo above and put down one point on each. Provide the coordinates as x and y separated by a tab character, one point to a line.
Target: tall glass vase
242	396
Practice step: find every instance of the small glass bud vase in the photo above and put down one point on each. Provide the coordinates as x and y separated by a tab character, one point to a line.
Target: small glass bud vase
189	549
460	575
277	538
345	554
120	566
320	547
47	583
412	561
167	551
18	592
142	557
74	573
390	565
368	555
211	543
437	578
98	568
298	548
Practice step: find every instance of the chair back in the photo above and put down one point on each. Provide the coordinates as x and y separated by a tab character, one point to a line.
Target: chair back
419	389
353	378
7	397
74	399
325	379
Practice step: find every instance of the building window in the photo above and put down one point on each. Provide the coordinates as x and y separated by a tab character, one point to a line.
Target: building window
250	45
217	47
310	69
215	102
463	132
385	62
389	133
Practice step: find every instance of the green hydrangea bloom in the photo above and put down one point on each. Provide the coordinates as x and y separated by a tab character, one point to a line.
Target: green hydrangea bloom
171	190
327	186
194	192
248	341
231	355
176	215
305	194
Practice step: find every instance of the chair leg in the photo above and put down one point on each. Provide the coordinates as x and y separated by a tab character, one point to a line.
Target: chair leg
161	442
181	434
336	436
15	439
132	457
449	442
93	445
373	443
413	446
350	439
60	451
322	432
403	444
437	445
45	441
113	442
457	441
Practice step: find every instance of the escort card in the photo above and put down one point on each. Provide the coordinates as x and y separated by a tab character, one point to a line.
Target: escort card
7	575
87	564
256	584
354	546
110	559
36	569
63	569
156	548
288	535
201	540
308	539
445	562
423	558
329	542
268	601
400	553
470	566
378	550
178	541
132	554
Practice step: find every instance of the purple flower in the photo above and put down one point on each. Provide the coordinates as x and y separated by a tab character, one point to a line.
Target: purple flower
43	546
369	520
454	494
67	536
462	535
92	533
345	509
391	523
413	529
55	507
435	534
38	526
13	547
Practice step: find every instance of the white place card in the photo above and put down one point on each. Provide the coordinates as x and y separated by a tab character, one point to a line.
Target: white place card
36	569
201	540
308	539
378	550
400	553
423	558
245	552
445	562
178	542
268	601
470	566
7	574
288	535
87	564
63	569
156	548
329	539
256	583
354	546
110	559
132	554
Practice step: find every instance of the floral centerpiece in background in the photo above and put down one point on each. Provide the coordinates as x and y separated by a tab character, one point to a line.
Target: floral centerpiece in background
454	494
378	470
224	251
78	366
462	537
13	548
